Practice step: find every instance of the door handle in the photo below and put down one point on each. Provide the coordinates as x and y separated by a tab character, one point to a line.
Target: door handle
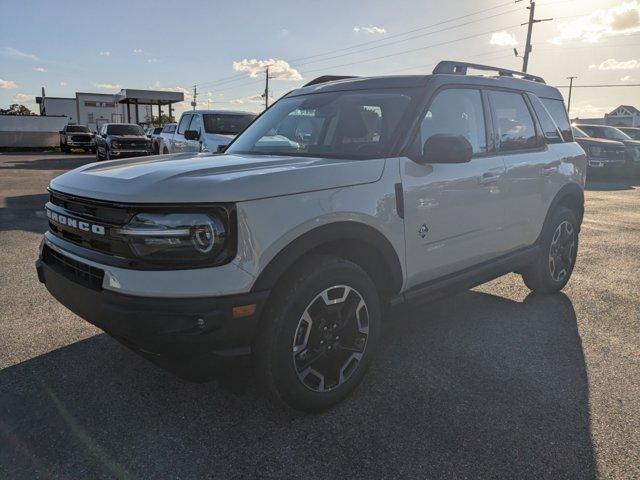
488	178
549	170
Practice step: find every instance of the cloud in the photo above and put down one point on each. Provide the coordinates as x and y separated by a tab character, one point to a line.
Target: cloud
39	69
252	99
138	51
626	78
503	39
284	32
618	20
588	110
63	84
105	53
13	52
107	86
278	69
370	29
152	60
7	84
613	64
23	98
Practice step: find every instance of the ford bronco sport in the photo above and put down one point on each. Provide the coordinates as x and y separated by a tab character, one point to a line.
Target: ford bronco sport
386	190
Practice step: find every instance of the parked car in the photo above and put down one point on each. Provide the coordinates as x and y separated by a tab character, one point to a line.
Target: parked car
76	136
632	147
603	156
207	130
165	135
120	140
399	189
632	132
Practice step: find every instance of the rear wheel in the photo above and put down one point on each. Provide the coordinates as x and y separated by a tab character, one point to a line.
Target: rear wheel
64	148
165	151
319	334
551	271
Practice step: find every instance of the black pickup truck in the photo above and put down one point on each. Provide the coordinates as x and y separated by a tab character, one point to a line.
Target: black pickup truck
76	136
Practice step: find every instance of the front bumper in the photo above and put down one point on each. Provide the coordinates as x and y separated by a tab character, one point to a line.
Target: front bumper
190	337
129	153
605	164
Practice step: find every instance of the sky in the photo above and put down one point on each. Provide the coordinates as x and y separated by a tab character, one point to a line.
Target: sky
222	47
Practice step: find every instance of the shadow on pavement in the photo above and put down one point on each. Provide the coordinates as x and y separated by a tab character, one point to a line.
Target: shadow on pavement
24	212
55	162
612	184
474	386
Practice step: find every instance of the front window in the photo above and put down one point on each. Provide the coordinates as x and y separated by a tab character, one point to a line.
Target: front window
125	130
347	124
77	129
226	124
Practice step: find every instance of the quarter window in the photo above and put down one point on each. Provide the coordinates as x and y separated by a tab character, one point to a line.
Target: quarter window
456	111
559	114
184	123
514	125
549	127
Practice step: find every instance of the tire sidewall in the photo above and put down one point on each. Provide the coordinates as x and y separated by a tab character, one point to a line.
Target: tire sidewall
562	214
285	378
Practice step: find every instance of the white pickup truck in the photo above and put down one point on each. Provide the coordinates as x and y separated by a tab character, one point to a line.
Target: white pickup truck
206	130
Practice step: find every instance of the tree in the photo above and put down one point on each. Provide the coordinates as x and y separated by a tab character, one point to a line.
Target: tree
16	109
164	118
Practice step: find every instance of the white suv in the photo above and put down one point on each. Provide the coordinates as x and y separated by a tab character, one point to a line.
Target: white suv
207	130
386	190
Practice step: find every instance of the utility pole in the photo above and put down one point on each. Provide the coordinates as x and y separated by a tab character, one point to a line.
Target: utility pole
195	95
570	88
532	20
266	89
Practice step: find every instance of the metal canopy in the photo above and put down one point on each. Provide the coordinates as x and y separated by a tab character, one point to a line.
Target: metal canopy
148	97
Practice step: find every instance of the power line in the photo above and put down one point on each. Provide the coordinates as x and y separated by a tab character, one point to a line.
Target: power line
600	85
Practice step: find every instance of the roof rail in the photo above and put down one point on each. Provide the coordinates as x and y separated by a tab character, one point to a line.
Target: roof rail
460	68
327	78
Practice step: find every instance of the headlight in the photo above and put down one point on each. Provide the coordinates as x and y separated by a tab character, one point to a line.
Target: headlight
180	240
595	151
115	144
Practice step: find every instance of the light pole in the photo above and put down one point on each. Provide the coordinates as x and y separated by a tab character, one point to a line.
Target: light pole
569	101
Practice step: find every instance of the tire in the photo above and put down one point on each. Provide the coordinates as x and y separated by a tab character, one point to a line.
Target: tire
165	151
107	155
156	149
98	157
295	326
551	271
64	148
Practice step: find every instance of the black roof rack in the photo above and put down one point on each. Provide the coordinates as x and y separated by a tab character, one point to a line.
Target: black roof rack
460	68
327	78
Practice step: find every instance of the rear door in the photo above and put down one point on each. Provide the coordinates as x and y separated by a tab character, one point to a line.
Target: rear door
527	161
453	212
178	142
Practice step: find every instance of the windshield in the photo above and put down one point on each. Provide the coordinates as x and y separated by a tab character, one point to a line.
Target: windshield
226	124
77	129
578	133
347	124
125	130
615	134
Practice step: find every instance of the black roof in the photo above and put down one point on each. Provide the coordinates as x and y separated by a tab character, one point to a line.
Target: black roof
505	79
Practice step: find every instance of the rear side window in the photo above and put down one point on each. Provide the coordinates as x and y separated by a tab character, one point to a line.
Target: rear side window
184	123
456	111
513	122
549	128
559	114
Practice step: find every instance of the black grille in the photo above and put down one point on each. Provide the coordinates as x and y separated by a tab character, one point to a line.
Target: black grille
80	138
614	153
75	271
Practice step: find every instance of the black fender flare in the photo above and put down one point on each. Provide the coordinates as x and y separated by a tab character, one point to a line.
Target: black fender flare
570	190
334	232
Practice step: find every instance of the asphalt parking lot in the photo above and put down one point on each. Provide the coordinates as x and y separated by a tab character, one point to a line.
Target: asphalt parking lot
491	383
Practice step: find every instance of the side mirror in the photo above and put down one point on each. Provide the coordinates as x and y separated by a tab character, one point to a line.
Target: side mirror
104	135
444	148
191	134
60	131
222	148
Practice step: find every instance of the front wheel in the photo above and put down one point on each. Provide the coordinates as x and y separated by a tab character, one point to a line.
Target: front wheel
551	271
319	334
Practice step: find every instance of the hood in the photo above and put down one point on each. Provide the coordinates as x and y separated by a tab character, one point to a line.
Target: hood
599	141
207	178
217	138
631	143
120	138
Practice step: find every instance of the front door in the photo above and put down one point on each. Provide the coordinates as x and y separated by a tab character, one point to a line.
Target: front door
178	142
453	212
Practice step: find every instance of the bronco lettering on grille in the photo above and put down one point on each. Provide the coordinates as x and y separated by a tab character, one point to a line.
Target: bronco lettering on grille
75	223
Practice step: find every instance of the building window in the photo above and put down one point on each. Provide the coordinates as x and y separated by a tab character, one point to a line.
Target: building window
90	104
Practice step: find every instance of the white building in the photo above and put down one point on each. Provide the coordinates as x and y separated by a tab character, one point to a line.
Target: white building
623	116
94	109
